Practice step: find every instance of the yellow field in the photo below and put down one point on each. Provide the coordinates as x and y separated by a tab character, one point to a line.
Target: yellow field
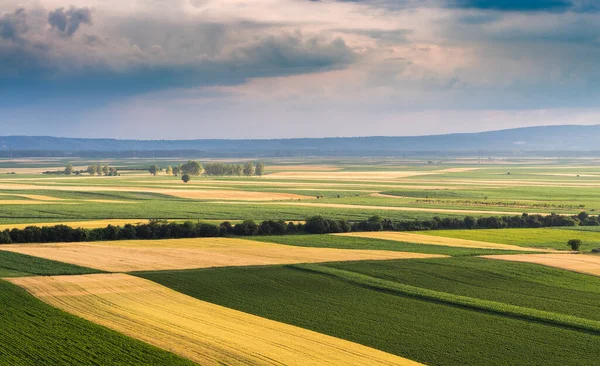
146	255
37	197
583	263
434	240
347	175
385	208
200	331
27	202
182	193
93	224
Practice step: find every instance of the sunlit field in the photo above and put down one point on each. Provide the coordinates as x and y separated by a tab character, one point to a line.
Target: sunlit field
465	296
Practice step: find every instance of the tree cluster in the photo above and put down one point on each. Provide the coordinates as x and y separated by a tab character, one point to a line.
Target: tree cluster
194	168
97	169
156	229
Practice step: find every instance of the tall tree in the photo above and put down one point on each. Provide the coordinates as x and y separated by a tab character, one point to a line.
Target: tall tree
177	170
69	169
105	170
248	169
169	170
238	170
153	169
260	169
91	169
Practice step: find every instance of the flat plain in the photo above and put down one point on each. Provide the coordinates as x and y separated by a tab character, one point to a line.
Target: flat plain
439	297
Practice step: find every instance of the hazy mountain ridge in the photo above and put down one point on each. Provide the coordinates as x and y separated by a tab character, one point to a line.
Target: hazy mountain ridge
544	138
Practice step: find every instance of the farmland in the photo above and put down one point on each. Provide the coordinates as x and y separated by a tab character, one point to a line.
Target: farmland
395	296
35	333
133	255
422	330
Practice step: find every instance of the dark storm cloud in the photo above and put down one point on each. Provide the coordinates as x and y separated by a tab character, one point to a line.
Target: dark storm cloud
13	25
68	21
36	71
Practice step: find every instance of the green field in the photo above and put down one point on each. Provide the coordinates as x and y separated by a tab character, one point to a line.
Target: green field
16	265
348	242
459	310
537	238
34	333
424	330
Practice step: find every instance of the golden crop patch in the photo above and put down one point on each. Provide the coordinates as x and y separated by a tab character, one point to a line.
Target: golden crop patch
435	240
146	255
589	264
200	331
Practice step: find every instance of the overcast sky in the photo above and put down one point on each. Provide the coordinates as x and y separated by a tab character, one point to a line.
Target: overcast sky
295	68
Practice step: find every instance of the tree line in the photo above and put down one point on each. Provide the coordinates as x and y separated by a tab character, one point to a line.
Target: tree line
194	169
93	169
157	229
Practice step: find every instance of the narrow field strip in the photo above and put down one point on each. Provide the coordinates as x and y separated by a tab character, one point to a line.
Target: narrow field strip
181	193
37	197
92	224
582	263
200	331
563	320
433	240
386	208
29	202
147	255
375	175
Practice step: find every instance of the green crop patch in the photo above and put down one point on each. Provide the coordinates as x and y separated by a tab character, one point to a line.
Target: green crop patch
34	333
419	328
537	238
520	284
348	242
16	265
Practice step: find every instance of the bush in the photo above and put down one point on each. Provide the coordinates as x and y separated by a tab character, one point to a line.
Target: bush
574	244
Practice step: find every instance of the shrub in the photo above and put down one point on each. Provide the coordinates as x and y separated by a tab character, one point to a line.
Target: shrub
574	244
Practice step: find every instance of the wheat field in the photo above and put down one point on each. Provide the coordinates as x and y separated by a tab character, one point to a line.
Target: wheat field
200	331
146	255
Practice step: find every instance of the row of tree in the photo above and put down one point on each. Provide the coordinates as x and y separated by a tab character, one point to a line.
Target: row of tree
97	169
156	229
194	169
91	170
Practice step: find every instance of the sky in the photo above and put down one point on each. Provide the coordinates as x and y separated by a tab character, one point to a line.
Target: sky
193	69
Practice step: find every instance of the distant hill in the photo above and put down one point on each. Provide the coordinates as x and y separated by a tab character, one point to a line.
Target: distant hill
566	138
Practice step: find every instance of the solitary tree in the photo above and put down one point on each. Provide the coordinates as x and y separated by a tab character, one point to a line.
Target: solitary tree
574	244
185	178
248	169
153	169
169	170
69	169
260	169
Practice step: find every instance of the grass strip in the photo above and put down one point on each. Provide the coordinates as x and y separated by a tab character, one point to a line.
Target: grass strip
563	320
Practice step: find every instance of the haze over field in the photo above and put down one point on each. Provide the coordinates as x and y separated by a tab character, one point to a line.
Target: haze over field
295	68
